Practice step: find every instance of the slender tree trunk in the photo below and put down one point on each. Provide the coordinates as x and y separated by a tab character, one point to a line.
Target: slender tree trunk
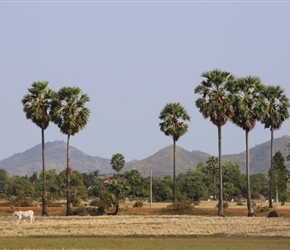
249	201
272	155
214	185
68	172
277	197
174	173
221	201
44	199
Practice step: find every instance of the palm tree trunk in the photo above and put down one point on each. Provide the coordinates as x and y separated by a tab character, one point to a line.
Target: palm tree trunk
249	201
174	173
272	155
68	170
44	200
221	201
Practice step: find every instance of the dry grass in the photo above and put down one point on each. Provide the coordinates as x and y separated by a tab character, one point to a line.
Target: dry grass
147	222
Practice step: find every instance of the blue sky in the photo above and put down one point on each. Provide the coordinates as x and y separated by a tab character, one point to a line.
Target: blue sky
132	58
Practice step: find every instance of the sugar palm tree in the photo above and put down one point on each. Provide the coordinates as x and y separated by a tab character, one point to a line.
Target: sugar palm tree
117	162
278	112
250	107
173	116
69	113
36	106
216	103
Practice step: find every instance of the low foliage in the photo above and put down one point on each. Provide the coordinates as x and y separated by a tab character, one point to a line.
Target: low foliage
183	207
138	204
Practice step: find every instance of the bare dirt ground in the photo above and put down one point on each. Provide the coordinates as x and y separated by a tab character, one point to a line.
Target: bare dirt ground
147	222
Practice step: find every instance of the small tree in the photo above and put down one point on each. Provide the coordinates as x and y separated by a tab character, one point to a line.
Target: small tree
118	162
278	175
213	168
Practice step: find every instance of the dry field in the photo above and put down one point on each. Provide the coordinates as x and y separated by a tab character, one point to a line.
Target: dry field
146	224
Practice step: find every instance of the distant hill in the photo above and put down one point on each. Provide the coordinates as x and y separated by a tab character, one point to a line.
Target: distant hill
160	163
55	158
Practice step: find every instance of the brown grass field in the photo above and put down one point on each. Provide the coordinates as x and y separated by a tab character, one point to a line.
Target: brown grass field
148	228
148	222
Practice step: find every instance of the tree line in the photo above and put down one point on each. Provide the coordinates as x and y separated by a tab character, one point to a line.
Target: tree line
198	183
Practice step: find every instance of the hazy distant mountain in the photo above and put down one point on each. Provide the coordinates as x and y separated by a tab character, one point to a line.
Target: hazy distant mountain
55	157
160	163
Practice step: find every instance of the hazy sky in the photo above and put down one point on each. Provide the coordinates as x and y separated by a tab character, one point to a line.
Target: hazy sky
131	58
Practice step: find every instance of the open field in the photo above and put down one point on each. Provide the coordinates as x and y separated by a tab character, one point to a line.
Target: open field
133	226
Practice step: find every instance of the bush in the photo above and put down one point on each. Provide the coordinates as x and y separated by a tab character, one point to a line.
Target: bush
261	208
183	207
95	202
138	204
81	211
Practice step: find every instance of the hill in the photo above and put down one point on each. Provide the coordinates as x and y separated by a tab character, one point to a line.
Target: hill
160	163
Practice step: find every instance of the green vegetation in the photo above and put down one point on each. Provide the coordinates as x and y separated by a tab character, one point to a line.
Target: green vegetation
197	243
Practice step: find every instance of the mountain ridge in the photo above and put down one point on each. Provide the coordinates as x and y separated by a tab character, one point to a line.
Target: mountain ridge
160	163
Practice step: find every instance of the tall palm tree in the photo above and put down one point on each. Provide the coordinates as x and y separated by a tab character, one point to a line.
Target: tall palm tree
36	106
69	113
117	162
278	112
216	103
250	107
173	116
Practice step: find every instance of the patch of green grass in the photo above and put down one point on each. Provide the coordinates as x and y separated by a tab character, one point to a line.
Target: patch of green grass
168	243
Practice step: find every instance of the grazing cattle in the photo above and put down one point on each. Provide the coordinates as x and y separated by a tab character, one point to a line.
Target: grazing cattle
24	214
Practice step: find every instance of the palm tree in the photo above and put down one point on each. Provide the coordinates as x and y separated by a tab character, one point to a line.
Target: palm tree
117	162
278	112
36	106
216	103
173	116
250	107
69	113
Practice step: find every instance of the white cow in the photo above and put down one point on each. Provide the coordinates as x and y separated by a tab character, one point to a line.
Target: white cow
24	214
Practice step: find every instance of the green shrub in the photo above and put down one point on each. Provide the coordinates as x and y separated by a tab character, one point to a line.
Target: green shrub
138	204
95	202
261	208
80	211
183	207
239	203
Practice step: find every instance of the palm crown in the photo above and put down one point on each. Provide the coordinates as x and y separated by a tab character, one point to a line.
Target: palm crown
69	111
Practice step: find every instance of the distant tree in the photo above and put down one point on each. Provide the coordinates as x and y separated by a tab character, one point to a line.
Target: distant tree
20	191
134	178
117	162
213	168
173	117
278	175
259	185
278	111
193	187
36	106
250	107
216	103
69	113
234	181
3	178
162	189
118	189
